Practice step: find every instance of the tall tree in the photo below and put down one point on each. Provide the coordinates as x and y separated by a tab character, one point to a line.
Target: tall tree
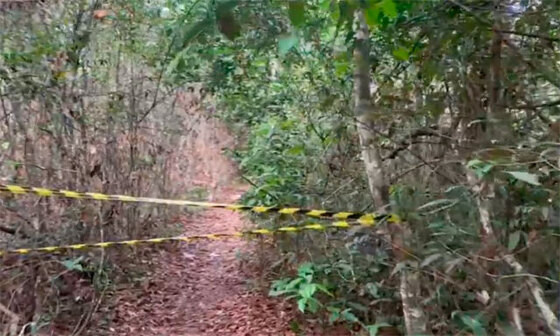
415	320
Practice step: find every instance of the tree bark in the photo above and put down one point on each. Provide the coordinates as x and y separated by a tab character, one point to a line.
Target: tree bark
363	111
414	317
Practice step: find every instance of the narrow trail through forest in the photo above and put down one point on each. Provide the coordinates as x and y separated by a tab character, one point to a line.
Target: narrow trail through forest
201	288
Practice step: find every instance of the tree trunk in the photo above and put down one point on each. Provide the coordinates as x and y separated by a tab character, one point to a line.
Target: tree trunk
500	131
365	119
415	320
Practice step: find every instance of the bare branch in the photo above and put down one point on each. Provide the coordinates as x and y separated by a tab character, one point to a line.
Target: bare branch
14	319
8	230
408	140
536	106
513	32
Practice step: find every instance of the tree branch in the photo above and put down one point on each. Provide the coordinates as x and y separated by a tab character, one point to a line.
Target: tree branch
8	230
13	324
535	67
513	32
532	107
484	189
409	140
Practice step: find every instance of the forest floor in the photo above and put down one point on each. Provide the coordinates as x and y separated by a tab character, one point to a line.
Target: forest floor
203	288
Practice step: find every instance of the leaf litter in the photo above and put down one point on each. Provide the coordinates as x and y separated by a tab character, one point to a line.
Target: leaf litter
202	288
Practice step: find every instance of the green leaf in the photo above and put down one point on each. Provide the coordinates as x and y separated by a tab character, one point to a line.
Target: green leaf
525	177
346	10
341	68
372	289
473	163
74	264
296	150
194	31
505	326
481	168
226	6
324	289
286	42
430	259
276	292
374	328
349	316
398	267
357	306
389	8
313	305
372	16
325	4
335	14
335	314
307	290
485	169
305	269
513	240
346	268
279	287
292	284
296	12
401	53
474	325
301	304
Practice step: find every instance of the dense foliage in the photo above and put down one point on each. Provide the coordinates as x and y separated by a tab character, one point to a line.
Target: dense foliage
466	114
449	103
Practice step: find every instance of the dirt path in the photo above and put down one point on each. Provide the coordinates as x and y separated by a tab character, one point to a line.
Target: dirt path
200	288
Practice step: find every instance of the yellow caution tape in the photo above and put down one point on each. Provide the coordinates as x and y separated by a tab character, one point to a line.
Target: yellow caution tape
361	218
188	239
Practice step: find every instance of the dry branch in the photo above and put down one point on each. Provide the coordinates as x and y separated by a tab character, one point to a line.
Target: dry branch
409	140
14	320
